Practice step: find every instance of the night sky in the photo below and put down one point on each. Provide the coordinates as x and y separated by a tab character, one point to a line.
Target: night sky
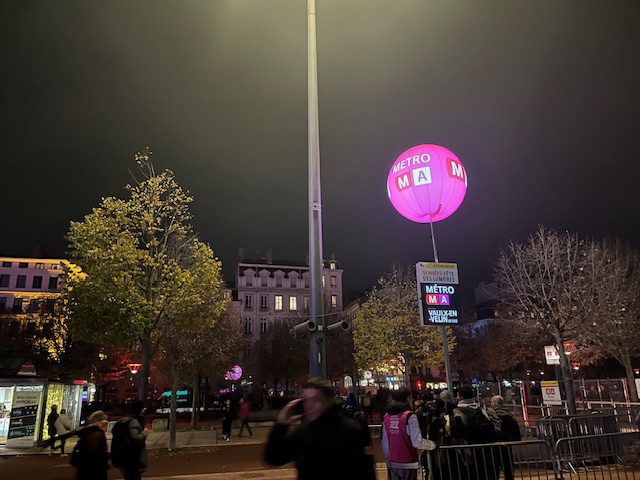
539	100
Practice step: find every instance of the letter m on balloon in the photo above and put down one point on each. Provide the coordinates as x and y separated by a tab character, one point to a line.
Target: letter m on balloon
455	169
403	181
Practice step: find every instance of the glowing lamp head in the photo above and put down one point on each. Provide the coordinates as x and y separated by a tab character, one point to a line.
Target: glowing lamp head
235	373
427	183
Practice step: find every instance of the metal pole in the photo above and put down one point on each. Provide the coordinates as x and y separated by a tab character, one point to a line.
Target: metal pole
443	328
317	347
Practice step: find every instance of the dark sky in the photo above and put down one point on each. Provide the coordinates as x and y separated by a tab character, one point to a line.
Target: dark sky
540	101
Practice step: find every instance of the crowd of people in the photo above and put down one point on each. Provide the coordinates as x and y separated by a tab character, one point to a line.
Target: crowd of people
327	438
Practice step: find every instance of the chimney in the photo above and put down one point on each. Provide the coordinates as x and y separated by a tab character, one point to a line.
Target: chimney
270	256
240	254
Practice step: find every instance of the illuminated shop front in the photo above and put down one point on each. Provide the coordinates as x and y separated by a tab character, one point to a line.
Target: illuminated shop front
25	404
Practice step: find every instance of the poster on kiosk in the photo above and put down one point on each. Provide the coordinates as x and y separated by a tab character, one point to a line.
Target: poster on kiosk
437	284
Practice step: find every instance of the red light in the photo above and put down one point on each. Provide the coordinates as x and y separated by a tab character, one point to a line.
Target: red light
419	385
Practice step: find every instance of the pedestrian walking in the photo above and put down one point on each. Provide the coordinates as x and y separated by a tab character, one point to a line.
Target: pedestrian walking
51	428
324	444
227	419
62	425
509	432
402	439
243	416
90	456
129	443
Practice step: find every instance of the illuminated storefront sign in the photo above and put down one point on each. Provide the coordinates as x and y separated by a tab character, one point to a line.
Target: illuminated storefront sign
427	183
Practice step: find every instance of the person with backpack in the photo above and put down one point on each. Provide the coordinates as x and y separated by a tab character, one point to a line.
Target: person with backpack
90	456
509	432
471	425
128	443
402	438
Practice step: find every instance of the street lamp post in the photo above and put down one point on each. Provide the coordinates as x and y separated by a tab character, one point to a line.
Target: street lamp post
317	345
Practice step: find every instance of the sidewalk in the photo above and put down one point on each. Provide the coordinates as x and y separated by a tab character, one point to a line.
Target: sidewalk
278	474
159	440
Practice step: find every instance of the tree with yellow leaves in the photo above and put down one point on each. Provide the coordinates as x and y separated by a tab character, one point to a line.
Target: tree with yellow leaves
387	330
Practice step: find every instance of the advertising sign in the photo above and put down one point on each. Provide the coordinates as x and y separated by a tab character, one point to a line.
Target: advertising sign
24	413
437	290
551	393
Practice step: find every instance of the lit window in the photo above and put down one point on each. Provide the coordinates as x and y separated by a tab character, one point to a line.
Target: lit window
334	301
37	281
293	303
334	281
332	265
263	325
39	266
323	281
278	302
263	302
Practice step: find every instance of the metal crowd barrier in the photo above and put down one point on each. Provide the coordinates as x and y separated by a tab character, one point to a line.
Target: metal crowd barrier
608	455
604	456
531	459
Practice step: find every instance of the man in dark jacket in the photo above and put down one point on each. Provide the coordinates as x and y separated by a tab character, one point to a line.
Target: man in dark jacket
135	462
326	445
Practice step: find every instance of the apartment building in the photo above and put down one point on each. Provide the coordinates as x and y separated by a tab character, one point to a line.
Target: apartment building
272	292
29	285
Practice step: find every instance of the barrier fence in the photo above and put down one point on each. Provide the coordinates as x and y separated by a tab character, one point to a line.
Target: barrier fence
603	456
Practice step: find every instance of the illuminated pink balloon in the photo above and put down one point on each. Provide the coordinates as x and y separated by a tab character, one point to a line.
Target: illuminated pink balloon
427	183
235	373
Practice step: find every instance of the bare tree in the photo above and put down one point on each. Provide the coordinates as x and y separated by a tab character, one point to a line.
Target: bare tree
614	267
543	281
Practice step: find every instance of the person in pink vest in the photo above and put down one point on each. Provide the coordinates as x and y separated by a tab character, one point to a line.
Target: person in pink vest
402	439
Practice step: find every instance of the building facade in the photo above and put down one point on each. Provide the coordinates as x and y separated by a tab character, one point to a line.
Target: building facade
277	292
29	285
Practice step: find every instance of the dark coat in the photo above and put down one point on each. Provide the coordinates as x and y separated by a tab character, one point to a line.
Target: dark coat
332	447
510	430
137	460
93	462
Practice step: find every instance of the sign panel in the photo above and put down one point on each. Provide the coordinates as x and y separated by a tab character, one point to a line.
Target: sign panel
24	413
551	355
551	393
437	290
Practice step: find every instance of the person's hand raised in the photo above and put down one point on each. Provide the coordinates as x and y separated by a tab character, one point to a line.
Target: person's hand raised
287	415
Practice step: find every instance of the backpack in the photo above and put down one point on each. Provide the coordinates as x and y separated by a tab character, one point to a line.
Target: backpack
495	420
478	427
121	443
